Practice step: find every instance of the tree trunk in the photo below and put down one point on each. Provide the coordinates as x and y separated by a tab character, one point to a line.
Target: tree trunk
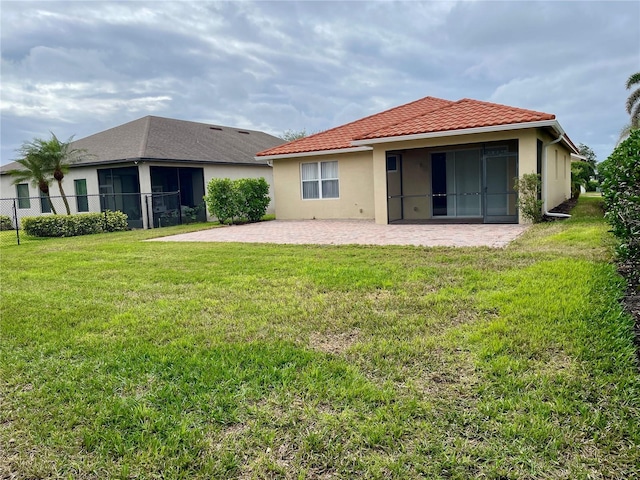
53	209
64	197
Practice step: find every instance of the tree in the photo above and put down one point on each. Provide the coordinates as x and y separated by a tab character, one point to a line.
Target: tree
54	158
583	172
633	106
36	172
633	102
291	135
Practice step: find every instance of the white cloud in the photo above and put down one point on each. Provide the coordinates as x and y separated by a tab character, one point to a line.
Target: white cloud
80	67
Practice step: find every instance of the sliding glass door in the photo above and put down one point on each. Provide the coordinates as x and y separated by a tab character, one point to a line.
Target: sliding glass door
500	171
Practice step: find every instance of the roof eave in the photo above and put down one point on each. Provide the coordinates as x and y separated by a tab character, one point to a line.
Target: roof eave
313	153
465	131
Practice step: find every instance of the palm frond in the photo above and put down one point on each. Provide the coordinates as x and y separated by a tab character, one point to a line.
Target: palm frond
633	79
632	100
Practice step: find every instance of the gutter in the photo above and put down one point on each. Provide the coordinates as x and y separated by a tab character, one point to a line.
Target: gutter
544	179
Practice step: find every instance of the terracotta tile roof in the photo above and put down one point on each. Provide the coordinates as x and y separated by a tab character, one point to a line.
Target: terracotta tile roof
341	137
426	115
465	113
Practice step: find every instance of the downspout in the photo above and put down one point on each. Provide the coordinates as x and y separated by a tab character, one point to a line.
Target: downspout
544	179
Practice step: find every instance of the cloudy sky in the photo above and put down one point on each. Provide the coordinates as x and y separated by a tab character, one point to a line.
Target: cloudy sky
80	67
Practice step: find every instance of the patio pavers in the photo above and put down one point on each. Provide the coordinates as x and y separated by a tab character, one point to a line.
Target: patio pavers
360	232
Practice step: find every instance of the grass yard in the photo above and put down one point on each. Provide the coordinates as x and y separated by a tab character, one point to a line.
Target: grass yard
128	359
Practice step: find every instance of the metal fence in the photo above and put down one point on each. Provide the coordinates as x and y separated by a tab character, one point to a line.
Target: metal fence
143	210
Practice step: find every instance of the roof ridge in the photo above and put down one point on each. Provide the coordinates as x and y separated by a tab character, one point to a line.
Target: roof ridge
145	137
369	117
484	102
450	103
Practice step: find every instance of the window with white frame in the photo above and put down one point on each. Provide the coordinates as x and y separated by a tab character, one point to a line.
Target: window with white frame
320	180
22	190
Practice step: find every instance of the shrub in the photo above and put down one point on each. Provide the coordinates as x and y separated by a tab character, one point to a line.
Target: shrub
528	187
222	199
5	223
245	198
74	225
620	175
254	198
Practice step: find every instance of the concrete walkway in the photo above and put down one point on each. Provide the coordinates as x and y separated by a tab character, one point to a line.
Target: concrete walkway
361	232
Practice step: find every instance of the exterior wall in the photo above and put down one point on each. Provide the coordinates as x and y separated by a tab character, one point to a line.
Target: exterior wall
90	174
8	192
556	172
355	184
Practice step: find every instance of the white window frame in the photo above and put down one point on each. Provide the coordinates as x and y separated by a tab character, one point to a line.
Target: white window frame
319	180
23	202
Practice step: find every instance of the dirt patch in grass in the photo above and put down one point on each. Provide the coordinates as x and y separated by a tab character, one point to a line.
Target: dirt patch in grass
333	343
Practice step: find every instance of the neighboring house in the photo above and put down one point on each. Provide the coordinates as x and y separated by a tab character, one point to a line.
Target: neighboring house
428	160
140	167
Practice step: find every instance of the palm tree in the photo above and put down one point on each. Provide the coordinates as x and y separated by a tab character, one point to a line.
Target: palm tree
36	172
633	102
633	106
55	156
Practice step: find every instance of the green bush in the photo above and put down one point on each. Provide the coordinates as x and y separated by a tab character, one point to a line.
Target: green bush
620	175
5	223
74	225
242	199
254	198
528	187
222	199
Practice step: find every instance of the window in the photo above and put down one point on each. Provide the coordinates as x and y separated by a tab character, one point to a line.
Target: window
22	190
82	201
45	204
392	163
320	180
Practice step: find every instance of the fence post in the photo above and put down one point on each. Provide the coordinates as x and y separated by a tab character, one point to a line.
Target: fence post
15	221
146	209
179	207
106	225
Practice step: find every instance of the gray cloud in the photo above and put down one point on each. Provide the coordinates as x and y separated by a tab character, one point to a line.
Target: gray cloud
81	67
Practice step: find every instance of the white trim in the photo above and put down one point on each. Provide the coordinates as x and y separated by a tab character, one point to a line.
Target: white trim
465	131
315	152
578	157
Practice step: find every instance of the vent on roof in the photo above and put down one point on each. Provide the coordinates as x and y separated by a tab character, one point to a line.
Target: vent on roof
242	131
215	128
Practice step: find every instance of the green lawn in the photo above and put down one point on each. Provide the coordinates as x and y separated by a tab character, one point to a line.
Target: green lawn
128	359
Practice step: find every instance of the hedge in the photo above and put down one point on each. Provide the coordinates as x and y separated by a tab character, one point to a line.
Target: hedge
5	223
621	191
74	225
243	199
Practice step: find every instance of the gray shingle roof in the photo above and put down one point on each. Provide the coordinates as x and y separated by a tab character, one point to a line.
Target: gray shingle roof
167	139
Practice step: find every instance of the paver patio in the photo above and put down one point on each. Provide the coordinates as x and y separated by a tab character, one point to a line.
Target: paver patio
361	232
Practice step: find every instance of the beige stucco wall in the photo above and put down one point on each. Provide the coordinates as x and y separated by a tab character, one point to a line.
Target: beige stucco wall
556	171
355	183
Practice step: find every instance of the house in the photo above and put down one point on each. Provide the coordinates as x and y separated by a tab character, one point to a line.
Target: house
429	160
153	169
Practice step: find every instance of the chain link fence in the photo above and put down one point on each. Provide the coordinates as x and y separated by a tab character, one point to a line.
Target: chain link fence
146	210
